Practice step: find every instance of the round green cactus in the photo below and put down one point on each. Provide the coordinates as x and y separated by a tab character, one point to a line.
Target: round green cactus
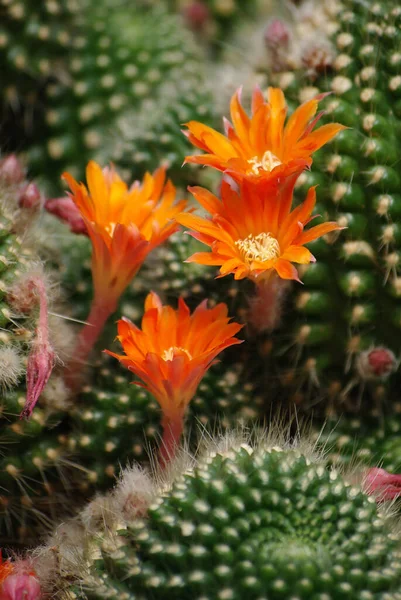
268	521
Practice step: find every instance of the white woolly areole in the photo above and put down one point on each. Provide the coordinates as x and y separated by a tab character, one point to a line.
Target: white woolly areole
134	493
11	367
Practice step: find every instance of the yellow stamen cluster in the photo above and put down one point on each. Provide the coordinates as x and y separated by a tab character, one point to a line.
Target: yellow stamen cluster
259	247
267	163
174	351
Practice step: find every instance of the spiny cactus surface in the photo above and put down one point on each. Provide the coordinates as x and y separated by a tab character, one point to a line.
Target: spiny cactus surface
68	448
369	439
268	522
107	81
34	38
340	335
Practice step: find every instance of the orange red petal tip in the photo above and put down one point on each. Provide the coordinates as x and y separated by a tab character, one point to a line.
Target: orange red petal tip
264	145
124	223
174	348
253	232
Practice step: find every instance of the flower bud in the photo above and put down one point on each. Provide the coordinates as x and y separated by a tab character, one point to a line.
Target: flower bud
30	197
66	211
277	34
382	485
11	170
20	587
377	363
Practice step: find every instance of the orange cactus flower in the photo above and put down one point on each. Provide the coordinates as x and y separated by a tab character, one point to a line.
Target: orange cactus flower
124	224
262	147
253	232
174	349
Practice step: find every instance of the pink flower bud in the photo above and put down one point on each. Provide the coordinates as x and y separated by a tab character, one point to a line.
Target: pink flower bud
382	485
39	368
277	34
20	587
65	210
30	197
377	363
196	15
11	170
42	357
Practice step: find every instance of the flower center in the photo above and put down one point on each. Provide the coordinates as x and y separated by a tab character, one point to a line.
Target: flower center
174	351
259	247
110	227
268	162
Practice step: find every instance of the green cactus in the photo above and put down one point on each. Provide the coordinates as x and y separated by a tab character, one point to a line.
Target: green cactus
110	82
369	440
34	38
213	21
350	304
67	449
268	521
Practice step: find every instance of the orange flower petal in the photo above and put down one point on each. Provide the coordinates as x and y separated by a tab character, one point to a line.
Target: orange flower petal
320	137
298	254
254	147
316	232
286	270
124	224
174	349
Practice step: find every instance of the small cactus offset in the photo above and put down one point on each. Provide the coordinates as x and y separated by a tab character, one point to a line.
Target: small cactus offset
264	518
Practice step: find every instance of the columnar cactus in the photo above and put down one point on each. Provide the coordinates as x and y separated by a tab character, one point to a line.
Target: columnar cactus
339	340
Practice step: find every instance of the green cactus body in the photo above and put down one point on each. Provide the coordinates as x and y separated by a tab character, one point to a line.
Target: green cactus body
119	92
350	304
34	38
261	523
68	449
213	20
369	439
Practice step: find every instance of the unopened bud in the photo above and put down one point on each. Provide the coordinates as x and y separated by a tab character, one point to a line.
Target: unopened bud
30	197
65	210
20	587
377	363
39	368
42	356
11	170
196	15
277	35
382	485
